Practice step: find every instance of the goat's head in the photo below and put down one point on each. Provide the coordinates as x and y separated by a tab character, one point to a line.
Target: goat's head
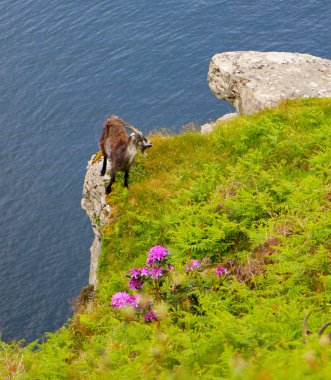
142	143
139	140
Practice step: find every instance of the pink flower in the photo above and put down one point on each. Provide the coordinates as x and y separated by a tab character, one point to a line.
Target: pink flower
122	299
150	316
156	253
135	284
135	273
135	300
156	273
145	272
221	270
194	264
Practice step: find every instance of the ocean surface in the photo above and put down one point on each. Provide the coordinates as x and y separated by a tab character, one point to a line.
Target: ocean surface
67	65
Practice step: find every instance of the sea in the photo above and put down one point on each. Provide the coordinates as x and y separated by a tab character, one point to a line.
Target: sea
65	66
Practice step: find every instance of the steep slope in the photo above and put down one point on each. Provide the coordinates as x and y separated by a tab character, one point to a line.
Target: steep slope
245	215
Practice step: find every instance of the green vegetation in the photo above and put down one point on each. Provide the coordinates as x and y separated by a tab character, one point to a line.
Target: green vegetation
253	197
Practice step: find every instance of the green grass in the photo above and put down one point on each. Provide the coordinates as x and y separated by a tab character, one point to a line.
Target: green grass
253	196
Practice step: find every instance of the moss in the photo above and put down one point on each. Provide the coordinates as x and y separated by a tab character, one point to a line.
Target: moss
97	157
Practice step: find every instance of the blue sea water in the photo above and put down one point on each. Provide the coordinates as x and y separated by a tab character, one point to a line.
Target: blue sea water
64	67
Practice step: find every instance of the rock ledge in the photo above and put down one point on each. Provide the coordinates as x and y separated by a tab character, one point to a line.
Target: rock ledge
252	81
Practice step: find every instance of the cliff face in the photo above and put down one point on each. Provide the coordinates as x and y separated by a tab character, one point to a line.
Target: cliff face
94	203
252	81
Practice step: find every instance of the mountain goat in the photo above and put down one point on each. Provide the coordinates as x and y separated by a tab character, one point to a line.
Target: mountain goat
120	148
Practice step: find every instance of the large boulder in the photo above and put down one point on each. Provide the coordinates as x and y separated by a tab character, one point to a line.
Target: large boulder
252	80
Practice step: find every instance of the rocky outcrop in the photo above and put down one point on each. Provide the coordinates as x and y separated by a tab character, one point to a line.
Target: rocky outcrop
209	127
94	203
252	81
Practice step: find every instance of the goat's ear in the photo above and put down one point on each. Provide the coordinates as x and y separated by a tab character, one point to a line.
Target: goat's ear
132	134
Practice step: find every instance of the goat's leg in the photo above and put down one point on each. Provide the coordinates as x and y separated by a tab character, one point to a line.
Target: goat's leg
126	178
104	165
112	180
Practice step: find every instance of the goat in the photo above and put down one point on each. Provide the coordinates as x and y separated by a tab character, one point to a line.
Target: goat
306	332
120	148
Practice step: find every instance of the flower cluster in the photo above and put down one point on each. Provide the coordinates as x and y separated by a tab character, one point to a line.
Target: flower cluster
158	266
153	274
150	316
136	276
139	275
195	264
156	254
123	299
143	306
221	271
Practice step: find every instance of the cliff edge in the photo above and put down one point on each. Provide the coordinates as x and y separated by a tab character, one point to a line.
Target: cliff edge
94	203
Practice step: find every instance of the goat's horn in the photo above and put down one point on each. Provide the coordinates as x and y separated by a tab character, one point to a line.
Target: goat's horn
133	129
305	332
323	328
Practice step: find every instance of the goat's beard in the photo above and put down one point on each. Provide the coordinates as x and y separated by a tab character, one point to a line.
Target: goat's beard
142	150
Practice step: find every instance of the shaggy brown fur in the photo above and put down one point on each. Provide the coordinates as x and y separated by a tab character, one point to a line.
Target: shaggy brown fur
119	148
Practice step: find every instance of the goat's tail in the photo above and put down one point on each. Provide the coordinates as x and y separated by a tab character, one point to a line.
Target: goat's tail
107	125
104	133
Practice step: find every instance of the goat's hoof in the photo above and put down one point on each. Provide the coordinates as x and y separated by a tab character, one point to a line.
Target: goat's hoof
108	191
102	173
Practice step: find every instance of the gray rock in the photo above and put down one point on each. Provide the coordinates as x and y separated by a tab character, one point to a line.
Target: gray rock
252	81
209	127
227	117
94	203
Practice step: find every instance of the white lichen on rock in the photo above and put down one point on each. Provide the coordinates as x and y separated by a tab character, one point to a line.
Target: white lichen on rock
94	203
252	81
